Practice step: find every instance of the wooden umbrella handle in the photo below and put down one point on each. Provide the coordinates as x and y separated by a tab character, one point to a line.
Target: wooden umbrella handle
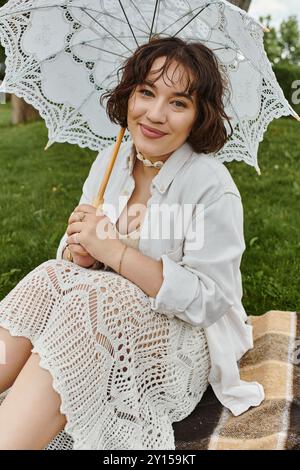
99	200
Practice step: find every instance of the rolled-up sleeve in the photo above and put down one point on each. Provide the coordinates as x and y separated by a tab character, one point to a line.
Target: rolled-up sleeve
206	282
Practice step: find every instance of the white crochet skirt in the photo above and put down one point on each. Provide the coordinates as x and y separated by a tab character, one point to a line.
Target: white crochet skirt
124	372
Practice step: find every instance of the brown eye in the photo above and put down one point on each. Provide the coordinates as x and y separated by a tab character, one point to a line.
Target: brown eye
180	104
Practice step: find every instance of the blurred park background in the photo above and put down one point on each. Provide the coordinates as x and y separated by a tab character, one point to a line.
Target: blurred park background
40	189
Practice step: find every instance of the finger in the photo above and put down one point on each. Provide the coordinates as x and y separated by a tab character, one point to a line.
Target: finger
74	227
76	216
72	218
88	208
77	249
75	239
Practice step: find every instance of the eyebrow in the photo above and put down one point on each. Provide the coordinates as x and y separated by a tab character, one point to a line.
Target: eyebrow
184	95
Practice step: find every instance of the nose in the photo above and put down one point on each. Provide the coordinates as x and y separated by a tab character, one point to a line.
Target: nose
157	112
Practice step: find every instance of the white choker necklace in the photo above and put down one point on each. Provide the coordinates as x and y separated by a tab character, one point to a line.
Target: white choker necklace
147	162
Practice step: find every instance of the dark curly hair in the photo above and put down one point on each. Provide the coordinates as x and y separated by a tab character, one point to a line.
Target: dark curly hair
206	79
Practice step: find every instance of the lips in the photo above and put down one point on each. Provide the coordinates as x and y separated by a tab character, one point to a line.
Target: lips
151	132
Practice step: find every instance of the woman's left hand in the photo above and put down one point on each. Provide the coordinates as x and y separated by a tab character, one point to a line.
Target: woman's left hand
95	233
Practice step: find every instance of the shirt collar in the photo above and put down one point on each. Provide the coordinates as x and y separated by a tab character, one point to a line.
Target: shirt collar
169	169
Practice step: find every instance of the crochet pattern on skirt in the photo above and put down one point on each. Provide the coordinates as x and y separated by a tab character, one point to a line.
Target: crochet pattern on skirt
123	371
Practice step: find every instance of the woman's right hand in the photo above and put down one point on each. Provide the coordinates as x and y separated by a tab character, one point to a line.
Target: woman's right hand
85	261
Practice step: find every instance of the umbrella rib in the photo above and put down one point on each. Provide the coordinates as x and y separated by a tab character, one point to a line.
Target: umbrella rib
120	3
142	16
63	50
113	17
153	18
186	14
80	8
221	48
157	14
29	10
113	72
85	43
105	29
225	46
195	16
78	108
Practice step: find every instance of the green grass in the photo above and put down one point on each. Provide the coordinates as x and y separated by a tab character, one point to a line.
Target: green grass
39	190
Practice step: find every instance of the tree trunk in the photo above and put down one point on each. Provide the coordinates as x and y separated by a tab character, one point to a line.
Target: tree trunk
244	4
22	112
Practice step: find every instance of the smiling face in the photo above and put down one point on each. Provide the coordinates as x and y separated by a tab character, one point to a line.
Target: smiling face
160	114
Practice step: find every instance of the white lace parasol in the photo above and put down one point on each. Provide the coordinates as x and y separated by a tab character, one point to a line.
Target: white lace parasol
63	54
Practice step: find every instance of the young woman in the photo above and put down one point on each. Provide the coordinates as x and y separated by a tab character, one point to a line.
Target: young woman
105	351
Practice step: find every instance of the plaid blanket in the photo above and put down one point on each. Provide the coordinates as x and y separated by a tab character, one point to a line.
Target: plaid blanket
275	424
274	361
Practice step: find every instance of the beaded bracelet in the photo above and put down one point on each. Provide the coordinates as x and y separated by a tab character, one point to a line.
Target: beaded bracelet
121	259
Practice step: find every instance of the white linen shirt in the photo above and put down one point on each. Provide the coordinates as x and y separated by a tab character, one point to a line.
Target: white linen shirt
200	286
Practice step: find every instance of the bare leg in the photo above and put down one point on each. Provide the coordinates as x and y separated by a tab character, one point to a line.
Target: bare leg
17	350
30	415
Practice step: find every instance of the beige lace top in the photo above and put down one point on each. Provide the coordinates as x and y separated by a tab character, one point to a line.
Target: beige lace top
131	239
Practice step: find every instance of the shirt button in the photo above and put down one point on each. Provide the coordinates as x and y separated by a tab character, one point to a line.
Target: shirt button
125	193
162	188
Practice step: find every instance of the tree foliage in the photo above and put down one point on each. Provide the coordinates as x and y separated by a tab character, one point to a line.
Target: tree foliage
283	45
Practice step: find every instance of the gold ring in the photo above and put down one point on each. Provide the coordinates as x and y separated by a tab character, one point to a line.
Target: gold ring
82	217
